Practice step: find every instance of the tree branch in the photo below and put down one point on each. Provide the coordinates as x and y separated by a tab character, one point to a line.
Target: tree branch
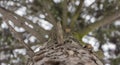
50	17
64	13
106	20
19	21
46	7
77	14
19	37
17	46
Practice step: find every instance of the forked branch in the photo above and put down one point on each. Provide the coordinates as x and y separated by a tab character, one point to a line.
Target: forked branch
76	14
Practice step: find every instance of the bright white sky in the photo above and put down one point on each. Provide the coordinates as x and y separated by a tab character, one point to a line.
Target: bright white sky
88	2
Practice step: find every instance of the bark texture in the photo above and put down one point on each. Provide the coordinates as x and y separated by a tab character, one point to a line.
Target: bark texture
68	53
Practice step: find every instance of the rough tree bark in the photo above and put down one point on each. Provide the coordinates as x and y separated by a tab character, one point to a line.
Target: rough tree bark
64	52
68	53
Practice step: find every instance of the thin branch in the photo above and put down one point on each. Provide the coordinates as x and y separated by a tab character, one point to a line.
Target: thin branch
76	14
51	18
19	37
43	11
88	8
64	13
106	20
4	61
46	7
92	4
19	21
17	46
40	29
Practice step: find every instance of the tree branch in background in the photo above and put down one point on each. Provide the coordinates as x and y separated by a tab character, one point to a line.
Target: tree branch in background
92	4
76	14
52	20
64	14
106	20
19	37
17	46
46	7
89	7
19	21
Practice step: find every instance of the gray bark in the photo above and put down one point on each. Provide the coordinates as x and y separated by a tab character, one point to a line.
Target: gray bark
69	53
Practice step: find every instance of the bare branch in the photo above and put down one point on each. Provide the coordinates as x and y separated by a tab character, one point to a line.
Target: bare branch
19	37
88	8
46	7
17	46
76	15
92	4
19	21
64	13
106	20
50	17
